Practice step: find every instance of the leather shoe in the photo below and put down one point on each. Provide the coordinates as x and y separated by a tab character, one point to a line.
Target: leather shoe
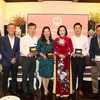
31	92
5	94
26	95
80	92
14	93
49	93
46	95
36	93
94	95
73	93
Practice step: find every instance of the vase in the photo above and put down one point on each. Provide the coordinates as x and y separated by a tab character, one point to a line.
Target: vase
18	32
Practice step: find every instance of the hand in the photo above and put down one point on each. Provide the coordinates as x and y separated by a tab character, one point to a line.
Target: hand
73	54
69	53
93	59
62	56
13	60
54	56
30	54
82	56
97	62
44	56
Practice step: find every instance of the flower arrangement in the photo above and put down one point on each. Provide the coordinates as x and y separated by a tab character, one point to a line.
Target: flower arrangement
95	17
18	20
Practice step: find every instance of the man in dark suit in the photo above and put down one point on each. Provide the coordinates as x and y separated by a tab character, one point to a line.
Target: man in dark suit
95	63
10	53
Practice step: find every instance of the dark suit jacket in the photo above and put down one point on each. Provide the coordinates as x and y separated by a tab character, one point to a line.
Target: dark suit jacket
7	52
94	49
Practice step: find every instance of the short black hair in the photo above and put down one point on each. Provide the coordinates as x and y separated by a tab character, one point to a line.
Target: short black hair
64	28
77	24
31	24
97	26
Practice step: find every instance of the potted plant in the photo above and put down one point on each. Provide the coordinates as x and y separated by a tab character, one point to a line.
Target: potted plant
20	23
95	17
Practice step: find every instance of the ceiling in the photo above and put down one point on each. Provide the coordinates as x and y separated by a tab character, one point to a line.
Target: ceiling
86	1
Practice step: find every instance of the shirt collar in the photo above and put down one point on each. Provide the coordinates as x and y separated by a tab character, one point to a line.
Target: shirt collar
10	37
30	36
79	36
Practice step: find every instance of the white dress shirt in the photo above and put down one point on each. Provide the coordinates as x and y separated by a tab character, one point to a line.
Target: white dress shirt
25	43
11	40
81	42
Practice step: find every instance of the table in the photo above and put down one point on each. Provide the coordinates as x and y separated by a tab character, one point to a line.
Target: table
10	97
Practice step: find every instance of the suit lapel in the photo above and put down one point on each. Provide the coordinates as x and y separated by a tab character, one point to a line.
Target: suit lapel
10	44
96	41
8	41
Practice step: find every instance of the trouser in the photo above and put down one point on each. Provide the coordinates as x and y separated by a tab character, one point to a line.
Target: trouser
6	71
28	66
95	71
78	67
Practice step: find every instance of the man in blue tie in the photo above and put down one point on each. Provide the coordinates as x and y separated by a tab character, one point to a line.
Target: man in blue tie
10	54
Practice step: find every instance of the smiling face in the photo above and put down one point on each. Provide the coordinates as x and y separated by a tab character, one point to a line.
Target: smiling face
77	30
46	33
11	29
62	31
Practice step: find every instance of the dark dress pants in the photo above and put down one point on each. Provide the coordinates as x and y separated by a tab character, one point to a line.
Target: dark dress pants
29	66
78	67
6	72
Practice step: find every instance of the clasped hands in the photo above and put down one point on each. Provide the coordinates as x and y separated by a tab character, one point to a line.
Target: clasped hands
45	57
61	56
30	54
97	62
75	55
13	61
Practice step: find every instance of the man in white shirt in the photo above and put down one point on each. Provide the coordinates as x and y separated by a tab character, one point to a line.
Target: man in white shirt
28	58
10	54
78	60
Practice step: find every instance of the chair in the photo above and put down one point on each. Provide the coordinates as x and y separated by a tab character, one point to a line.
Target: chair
87	72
